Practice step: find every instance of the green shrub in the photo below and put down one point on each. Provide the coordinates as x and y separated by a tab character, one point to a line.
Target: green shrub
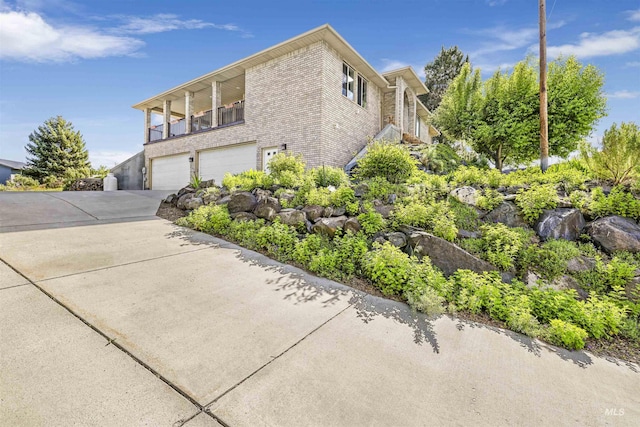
310	246
285	162
388	268
24	181
325	176
339	259
618	202
372	222
489	199
426	300
536	199
379	188
501	245
436	217
318	196
278	239
209	219
470	175
619	160
566	335
343	196
434	185
245	232
465	216
385	160
549	260
520	318
440	158
246	181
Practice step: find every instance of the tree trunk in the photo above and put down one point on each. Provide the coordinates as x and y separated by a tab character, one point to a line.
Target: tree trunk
498	158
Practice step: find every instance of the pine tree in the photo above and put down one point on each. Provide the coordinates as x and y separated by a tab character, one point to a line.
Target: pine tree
56	150
440	73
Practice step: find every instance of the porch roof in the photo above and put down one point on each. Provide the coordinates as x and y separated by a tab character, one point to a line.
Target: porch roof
410	76
324	32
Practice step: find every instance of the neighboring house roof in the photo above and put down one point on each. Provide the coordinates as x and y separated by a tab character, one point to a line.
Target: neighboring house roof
11	164
410	76
324	32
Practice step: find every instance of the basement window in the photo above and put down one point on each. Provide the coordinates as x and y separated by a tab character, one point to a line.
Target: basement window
348	76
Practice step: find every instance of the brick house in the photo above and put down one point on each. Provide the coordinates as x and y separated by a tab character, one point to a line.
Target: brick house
312	94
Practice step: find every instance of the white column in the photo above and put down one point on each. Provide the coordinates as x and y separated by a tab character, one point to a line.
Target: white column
399	102
216	99
147	124
166	118
188	110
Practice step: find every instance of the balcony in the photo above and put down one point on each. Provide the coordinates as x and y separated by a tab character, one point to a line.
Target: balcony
227	115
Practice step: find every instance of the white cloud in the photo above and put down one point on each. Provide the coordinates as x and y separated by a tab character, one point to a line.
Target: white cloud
108	158
623	94
26	36
490	68
493	3
632	64
163	22
633	15
505	39
605	44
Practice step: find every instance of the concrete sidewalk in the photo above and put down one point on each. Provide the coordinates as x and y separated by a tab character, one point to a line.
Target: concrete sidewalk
162	325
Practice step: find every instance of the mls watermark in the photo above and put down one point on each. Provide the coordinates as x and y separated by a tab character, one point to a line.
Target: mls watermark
616	412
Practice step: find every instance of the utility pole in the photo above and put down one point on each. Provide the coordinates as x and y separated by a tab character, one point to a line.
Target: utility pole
544	125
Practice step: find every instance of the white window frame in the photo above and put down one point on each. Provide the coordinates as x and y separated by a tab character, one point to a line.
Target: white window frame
361	97
348	72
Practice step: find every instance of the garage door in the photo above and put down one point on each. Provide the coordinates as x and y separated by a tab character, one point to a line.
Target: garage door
214	164
170	173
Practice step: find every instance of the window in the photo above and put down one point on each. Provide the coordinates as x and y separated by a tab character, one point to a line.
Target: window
362	92
418	127
347	81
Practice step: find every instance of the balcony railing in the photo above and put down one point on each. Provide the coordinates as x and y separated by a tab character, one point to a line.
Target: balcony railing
227	115
231	114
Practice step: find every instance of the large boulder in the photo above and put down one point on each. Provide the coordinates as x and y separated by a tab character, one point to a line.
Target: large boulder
193	203
223	200
560	223
397	239
210	196
243	216
353	225
292	217
242	201
384	210
615	233
467	195
265	211
171	198
182	200
185	190
507	214
329	226
580	264
313	212
447	256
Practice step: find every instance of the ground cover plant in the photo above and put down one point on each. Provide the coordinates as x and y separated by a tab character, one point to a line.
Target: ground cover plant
601	305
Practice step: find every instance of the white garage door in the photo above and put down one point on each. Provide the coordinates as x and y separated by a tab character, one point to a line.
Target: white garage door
214	164
170	173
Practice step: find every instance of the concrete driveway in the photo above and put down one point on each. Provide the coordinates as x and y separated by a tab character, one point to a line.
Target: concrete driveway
111	316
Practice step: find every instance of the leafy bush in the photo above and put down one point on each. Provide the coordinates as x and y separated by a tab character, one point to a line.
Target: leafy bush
536	199
436	217
385	160
318	196
470	175
520	318
310	246
435	185
209	219
379	188
285	162
245	232
619	160
325	176
343	196
426	300
440	158
338	259
566	335
371	221
550	259
388	268
24	181
246	181
278	239
618	202
489	199
501	245
465	217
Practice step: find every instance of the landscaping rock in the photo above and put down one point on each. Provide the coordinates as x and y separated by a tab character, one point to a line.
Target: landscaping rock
353	225
565	282
208	183
339	211
182	200
313	212
243	216
87	184
210	197
560	223
580	264
507	214
468	195
171	198
327	212
615	233
392	199
292	217
185	190
286	198
193	203
329	226
397	239
361	189
223	200
242	201
261	194
384	210
447	256
265	211
464	234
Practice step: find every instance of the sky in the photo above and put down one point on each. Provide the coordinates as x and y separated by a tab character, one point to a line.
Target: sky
90	61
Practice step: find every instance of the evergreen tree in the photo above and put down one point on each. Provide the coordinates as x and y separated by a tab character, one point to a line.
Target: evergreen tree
440	73
56	150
